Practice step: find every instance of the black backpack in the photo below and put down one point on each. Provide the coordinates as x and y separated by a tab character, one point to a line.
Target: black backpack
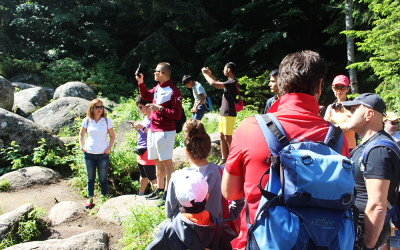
179	123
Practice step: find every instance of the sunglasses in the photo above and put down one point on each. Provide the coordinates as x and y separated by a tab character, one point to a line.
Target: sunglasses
340	87
99	107
394	123
155	70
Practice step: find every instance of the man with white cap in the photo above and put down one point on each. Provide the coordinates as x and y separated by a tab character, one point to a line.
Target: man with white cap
391	123
377	175
194	227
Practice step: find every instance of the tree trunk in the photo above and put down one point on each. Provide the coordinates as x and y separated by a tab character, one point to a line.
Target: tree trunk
350	47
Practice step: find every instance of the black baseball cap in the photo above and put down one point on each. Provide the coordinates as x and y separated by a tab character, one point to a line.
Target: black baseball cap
369	100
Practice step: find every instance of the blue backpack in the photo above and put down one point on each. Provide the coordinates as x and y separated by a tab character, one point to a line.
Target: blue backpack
307	202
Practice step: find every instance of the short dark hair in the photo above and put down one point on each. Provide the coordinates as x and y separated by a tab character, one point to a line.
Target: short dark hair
198	207
232	66
140	100
300	72
165	68
274	73
186	79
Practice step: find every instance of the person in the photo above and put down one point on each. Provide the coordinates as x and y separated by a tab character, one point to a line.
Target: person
194	227
273	85
200	97
227	112
300	84
198	146
391	122
336	113
167	107
147	168
376	182
96	149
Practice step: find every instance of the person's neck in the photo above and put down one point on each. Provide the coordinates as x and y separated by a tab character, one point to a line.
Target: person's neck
391	133
368	134
341	100
231	76
97	118
197	162
164	80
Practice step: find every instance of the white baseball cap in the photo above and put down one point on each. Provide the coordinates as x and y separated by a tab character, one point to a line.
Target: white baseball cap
190	186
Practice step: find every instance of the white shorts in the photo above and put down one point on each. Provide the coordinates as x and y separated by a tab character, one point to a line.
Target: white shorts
160	145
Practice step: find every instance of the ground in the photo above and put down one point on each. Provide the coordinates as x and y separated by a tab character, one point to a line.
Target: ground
44	196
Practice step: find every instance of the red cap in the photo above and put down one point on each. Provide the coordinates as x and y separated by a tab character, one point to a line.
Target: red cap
341	79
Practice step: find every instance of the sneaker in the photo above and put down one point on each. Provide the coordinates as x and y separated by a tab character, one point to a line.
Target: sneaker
151	194
89	203
155	195
222	162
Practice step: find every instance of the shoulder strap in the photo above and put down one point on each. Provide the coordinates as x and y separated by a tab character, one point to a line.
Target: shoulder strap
237	91
334	138
273	132
377	143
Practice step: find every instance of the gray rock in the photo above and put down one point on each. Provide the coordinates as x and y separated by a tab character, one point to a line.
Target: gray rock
178	158
29	176
49	92
37	96
117	209
108	103
60	113
6	94
95	239
24	109
211	116
29	78
74	89
9	221
64	211
24	132
215	137
21	86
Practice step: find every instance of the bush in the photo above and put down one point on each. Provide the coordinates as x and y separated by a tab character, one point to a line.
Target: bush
65	70
11	67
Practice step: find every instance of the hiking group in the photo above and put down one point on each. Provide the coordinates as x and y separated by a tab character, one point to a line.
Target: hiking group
291	178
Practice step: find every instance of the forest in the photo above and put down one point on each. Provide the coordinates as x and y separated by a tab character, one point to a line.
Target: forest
101	42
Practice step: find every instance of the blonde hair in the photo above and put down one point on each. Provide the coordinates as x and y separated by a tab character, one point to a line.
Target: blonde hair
91	107
196	139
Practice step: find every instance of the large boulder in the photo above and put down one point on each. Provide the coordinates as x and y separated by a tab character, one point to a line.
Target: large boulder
6	94
60	113
117	209
108	103
64	211
29	78
9	221
95	239
74	89
24	132
26	177
21	86
37	96
179	158
24	109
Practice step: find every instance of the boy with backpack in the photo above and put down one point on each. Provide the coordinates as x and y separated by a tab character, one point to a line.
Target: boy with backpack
300	84
201	104
193	228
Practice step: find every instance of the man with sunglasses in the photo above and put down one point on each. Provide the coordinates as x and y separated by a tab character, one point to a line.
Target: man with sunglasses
391	124
377	177
166	108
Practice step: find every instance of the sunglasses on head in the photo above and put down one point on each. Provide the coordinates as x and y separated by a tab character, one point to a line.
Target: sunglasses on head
340	87
394	123
99	107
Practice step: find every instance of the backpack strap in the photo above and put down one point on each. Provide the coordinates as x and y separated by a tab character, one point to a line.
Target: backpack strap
334	138
273	132
377	143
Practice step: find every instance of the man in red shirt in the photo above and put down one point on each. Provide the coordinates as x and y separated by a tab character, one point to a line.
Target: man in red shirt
300	84
166	108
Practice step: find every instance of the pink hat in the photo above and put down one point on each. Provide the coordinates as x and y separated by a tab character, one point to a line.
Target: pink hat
190	186
341	79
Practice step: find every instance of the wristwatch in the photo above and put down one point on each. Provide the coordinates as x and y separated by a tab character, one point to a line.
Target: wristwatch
160	109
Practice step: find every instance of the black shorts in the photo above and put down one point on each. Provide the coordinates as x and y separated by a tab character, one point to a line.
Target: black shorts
147	171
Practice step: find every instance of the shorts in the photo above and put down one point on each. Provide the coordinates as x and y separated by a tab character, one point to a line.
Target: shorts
144	159
147	171
160	145
226	124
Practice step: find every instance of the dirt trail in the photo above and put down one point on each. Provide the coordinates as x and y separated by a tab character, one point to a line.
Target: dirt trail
44	197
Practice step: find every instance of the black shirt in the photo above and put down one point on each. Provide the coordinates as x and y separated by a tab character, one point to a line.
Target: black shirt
382	163
228	104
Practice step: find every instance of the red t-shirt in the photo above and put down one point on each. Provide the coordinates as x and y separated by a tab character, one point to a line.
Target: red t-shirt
169	97
298	115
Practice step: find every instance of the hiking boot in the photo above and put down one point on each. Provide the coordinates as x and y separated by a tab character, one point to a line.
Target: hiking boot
222	162
151	194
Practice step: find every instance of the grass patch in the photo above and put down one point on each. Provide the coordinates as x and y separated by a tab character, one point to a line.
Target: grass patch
139	225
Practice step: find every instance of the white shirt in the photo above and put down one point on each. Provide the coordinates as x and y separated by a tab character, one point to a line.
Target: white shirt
96	141
197	90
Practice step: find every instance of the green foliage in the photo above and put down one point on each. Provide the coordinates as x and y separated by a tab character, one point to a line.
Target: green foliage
10	67
4	186
256	90
12	156
138	226
383	43
29	229
65	70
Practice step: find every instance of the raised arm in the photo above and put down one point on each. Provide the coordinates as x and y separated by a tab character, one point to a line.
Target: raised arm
210	78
